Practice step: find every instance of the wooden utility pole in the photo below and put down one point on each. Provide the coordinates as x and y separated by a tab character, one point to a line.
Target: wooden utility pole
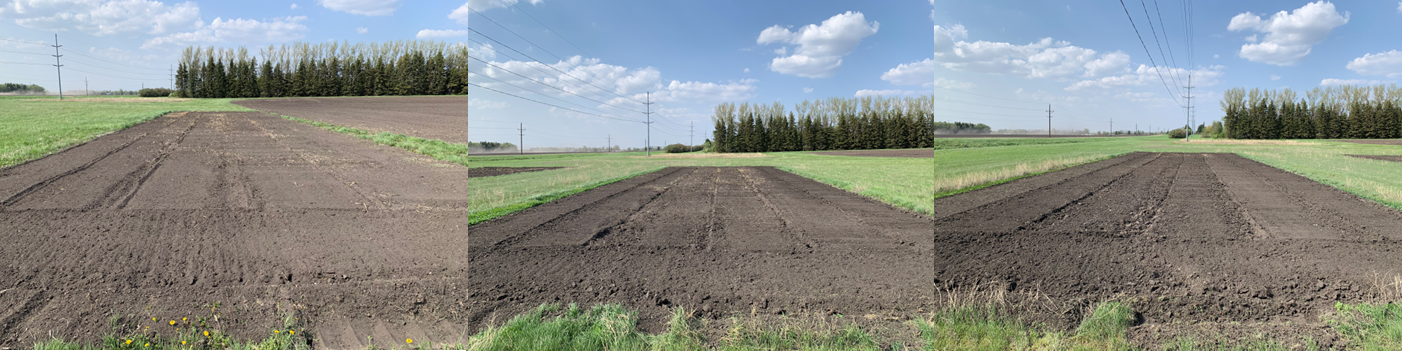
59	66
522	147
609	148
1188	111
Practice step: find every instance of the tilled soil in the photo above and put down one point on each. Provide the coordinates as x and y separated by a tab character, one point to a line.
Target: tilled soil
1397	158
431	117
262	215
496	171
924	153
717	240
1183	237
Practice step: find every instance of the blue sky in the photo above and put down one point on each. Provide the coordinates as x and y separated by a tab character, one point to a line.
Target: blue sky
994	62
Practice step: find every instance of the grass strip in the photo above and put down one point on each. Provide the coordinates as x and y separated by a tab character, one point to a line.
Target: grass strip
457	153
34	126
201	333
1368	326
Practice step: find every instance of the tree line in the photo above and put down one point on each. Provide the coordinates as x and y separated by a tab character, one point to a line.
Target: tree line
1349	112
832	124
21	88
326	69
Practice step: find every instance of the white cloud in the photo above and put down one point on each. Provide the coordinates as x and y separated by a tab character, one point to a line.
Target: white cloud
1399	6
782	51
236	31
807	90
362	7
1333	81
1275	77
103	17
484	104
294	6
892	92
1146	75
1289	36
362	30
484	52
1387	64
1044	58
921	73
1115	62
747	70
1216	56
712	92
820	47
440	33
460	14
625	81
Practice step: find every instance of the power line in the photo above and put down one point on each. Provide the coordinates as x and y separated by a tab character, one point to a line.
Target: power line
548	85
988	96
523	11
1146	52
984	105
23	52
549	66
1171	75
541	94
23	63
508	30
549	104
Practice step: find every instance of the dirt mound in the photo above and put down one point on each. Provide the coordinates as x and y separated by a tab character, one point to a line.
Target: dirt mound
496	171
925	153
431	117
263	215
1380	157
719	240
1183	237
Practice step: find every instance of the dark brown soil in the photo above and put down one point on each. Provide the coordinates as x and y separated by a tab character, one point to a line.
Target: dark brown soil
431	117
496	171
925	153
1184	238
1393	158
751	240
1373	141
262	215
1021	136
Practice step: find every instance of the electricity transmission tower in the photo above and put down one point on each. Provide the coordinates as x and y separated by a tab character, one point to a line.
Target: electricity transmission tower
522	148
648	143
1049	112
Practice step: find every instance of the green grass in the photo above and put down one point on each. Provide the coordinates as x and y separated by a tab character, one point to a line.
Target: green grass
966	143
1369	326
34	126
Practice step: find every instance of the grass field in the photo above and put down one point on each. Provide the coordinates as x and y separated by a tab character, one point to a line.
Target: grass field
34	126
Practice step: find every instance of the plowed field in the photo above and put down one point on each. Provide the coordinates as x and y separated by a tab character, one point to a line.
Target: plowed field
431	117
253	211
718	240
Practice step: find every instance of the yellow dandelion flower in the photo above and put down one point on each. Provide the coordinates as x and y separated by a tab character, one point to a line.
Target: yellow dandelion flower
206	333
182	342
172	322
182	319
408	341
275	331
147	345
153	319
128	341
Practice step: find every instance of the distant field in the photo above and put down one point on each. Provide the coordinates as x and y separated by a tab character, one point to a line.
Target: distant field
34	126
914	183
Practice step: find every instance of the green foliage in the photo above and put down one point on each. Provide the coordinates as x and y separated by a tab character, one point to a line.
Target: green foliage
21	88
154	92
1177	133
325	69
832	124
1369	326
978	328
676	148
1352	112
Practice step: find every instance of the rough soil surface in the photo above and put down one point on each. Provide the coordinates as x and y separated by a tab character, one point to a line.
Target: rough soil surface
748	240
924	153
1397	158
431	117
1373	141
1185	238
496	171
263	215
